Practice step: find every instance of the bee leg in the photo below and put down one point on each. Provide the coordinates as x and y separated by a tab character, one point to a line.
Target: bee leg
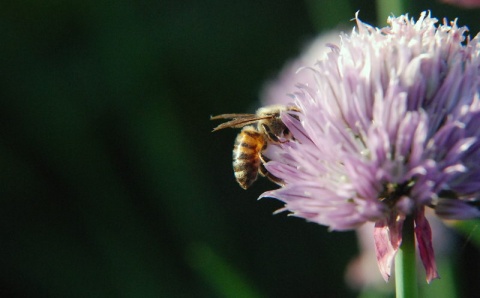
263	158
263	171
270	135
274	138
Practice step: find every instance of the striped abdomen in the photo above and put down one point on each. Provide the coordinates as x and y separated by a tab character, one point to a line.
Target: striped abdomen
246	155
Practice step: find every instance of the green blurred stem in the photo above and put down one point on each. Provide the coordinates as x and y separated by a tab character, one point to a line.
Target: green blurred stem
386	8
218	273
405	270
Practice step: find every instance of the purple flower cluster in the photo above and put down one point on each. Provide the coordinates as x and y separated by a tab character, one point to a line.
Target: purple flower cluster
389	127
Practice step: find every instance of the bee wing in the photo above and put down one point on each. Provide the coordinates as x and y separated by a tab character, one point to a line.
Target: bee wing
232	116
237	123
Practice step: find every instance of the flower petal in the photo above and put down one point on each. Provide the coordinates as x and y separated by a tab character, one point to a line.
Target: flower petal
456	209
388	237
423	234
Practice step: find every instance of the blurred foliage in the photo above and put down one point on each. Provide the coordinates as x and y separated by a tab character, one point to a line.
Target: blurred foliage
113	185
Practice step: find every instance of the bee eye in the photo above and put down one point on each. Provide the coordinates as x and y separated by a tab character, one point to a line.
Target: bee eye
286	131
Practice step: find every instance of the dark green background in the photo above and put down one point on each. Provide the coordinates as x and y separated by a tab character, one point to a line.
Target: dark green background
112	184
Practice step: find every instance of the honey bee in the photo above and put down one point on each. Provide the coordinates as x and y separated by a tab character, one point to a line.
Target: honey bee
258	130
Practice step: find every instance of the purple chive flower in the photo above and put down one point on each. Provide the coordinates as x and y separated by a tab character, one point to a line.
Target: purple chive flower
389	127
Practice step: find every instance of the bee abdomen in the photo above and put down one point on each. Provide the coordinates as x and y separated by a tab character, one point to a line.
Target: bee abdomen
246	159
246	172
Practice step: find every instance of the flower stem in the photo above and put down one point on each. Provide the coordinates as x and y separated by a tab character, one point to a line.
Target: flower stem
405	273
